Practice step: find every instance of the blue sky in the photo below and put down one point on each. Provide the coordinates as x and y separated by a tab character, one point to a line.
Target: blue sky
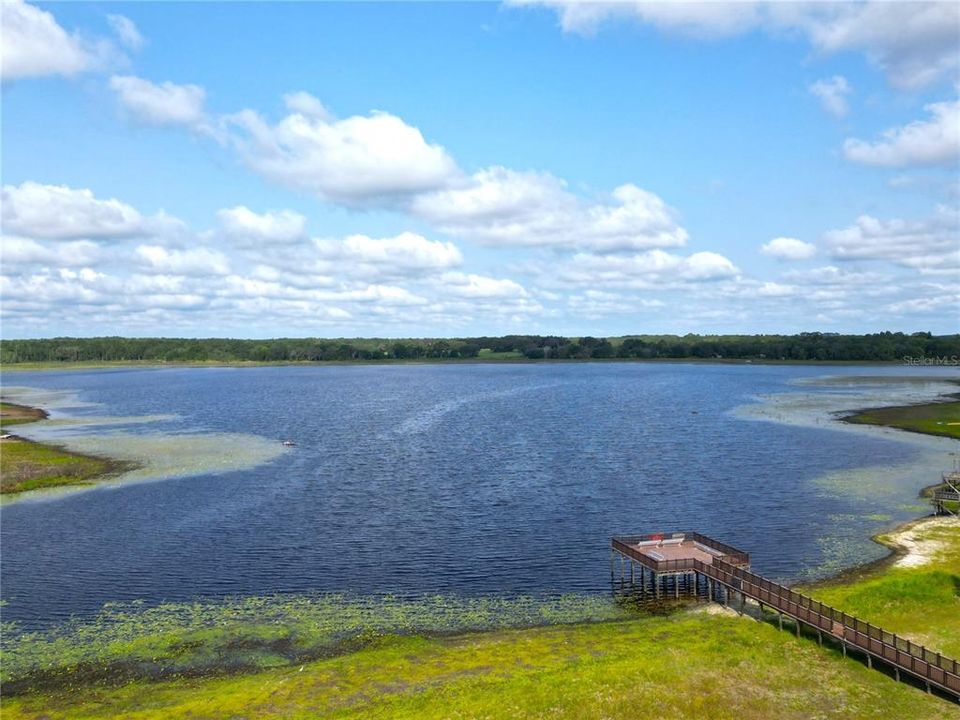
444	169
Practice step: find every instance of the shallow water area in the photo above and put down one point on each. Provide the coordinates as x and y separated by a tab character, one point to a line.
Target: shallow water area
157	454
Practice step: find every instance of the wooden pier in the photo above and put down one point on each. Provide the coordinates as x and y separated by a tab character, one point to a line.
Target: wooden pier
669	560
946	497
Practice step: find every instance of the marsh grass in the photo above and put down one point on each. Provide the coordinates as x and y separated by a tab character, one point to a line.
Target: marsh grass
27	465
922	603
682	666
131	640
931	418
340	657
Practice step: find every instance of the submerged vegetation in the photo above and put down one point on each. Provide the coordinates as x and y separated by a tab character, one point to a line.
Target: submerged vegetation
412	659
27	465
176	639
919	348
918	597
566	657
939	418
698	666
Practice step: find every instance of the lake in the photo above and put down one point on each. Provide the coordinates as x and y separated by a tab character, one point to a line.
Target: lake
470	479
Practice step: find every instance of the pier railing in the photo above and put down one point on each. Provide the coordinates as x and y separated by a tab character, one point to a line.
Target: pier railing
625	546
901	653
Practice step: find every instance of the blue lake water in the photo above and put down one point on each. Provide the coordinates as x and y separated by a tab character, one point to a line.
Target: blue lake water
452	479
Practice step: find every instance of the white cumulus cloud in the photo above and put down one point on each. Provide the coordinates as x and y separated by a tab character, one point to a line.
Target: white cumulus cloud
832	94
357	160
470	285
923	142
24	251
650	269
59	212
160	104
243	225
406	251
126	30
34	44
499	206
787	248
928	245
914	43
194	261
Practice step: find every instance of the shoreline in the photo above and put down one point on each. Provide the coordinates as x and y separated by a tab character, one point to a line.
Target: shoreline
896	541
911	417
906	552
157	364
45	464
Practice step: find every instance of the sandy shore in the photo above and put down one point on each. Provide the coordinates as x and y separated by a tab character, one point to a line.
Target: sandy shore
911	545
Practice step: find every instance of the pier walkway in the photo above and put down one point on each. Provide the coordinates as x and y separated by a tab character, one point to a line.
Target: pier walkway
723	572
946	498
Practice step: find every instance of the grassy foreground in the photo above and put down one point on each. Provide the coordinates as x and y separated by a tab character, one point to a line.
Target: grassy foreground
940	418
692	664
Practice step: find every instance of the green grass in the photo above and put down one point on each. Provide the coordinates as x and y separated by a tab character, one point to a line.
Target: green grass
132	640
921	603
488	354
13	414
686	665
931	418
26	465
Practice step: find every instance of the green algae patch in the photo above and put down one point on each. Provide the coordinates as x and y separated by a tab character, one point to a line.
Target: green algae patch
129	641
27	465
460	658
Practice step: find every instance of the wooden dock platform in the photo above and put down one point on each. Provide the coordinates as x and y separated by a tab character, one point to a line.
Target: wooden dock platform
946	497
703	564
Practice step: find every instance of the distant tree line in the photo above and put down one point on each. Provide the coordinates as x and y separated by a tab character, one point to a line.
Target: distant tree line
805	346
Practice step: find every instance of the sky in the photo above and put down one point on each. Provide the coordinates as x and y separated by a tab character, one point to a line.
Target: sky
461	169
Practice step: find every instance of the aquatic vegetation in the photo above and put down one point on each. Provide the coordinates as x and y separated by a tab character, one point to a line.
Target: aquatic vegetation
691	665
133	640
160	455
26	466
922	602
942	418
150	454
